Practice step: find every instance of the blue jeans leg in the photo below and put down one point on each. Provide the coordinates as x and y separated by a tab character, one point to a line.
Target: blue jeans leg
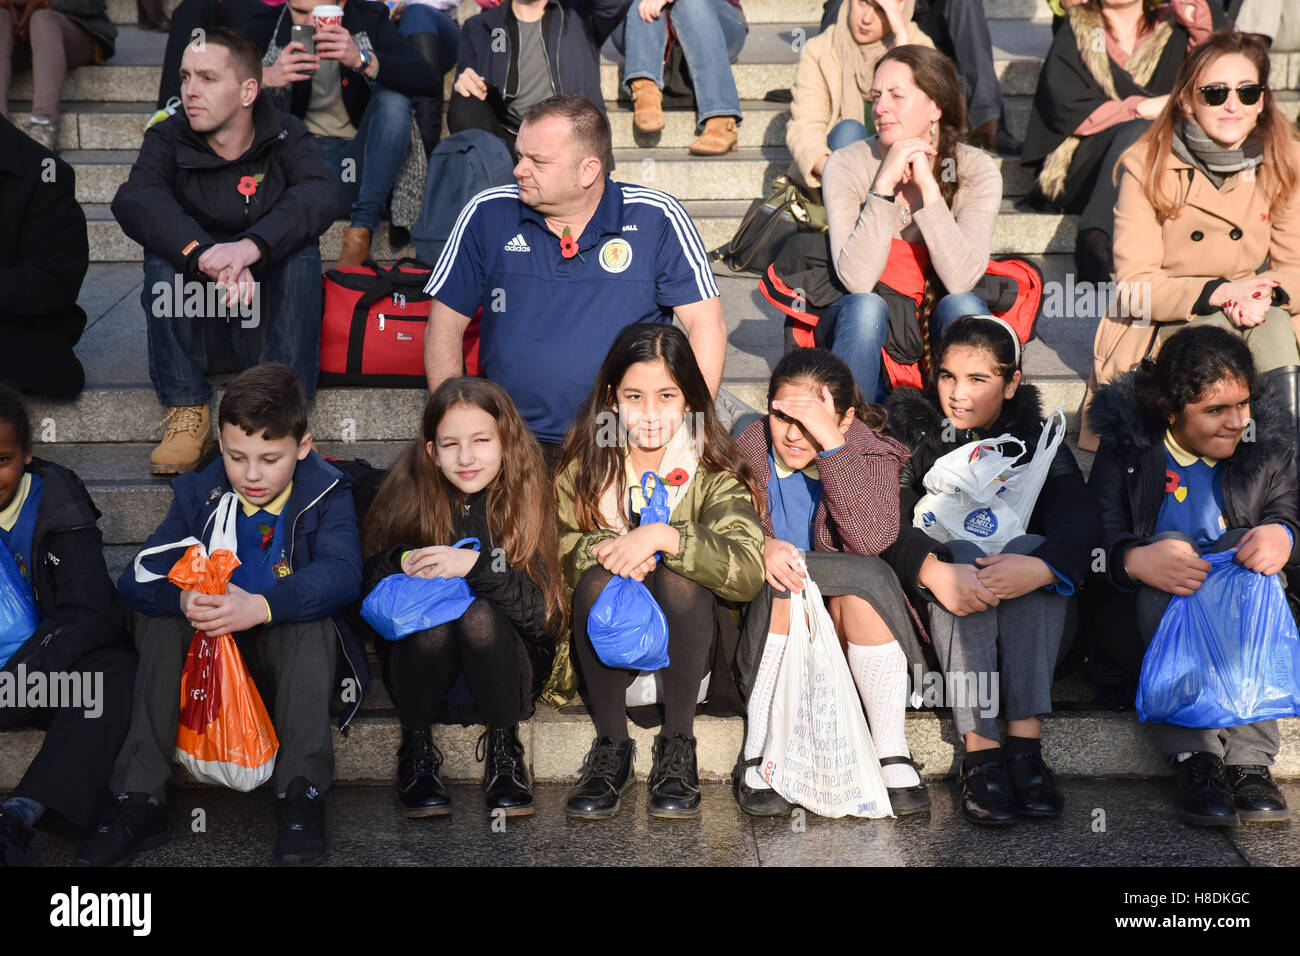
712	33
951	308
422	18
860	326
378	152
642	45
177	356
343	156
846	133
291	303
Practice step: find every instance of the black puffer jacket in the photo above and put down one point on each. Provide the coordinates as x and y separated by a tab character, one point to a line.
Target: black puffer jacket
181	197
1128	476
1065	514
491	579
80	609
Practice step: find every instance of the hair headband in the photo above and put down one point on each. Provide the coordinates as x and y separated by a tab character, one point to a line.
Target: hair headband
1006	325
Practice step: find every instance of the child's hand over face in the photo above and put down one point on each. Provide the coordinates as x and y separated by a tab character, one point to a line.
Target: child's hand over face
229	613
1013	575
1264	548
630	552
439	561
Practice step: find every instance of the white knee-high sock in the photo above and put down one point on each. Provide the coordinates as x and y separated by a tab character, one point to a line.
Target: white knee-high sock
880	673
760	707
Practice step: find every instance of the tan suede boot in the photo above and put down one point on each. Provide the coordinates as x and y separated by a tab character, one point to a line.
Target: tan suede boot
719	137
648	101
356	246
188	436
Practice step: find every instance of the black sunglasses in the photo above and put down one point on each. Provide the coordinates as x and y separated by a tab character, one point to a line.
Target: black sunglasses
1217	94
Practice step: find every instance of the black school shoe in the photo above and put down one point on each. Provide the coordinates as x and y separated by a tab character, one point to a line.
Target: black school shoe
986	794
762	802
130	825
15	835
420	791
1257	797
505	778
1033	787
905	801
300	839
605	776
1204	794
674	782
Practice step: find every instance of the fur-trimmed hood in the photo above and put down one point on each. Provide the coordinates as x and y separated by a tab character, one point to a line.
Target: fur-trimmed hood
1118	418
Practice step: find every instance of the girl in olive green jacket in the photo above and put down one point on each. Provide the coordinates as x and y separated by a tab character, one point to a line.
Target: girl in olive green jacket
650	411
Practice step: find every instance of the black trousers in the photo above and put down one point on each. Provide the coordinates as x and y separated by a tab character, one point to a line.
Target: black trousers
69	774
292	665
469	112
40	361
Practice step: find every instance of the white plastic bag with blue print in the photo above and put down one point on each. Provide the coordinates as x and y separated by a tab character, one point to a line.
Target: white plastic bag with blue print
977	492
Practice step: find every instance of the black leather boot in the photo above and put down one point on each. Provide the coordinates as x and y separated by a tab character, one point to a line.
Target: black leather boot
1257	797
420	791
674	782
1094	256
149	16
505	778
1286	383
428	109
1204	795
606	774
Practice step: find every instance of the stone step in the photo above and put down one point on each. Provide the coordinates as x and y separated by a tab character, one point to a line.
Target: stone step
1084	742
756	11
1021	233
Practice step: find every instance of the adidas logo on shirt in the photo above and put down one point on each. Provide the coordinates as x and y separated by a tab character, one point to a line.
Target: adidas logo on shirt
517	244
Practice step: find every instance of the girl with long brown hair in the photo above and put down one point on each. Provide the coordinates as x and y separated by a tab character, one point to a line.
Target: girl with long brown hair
474	471
911	208
650	411
1206	198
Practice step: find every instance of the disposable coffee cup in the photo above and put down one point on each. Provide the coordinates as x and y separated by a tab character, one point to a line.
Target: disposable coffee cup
327	13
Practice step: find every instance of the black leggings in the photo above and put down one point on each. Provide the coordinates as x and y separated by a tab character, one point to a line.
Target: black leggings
481	643
689	609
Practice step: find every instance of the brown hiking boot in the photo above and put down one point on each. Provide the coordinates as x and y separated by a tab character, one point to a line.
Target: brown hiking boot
356	246
648	101
719	137
188	436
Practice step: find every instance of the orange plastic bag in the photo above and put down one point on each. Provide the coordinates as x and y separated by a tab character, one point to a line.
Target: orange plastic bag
225	735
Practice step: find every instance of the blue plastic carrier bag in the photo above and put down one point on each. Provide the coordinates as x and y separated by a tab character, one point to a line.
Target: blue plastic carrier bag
18	615
627	627
1225	655
400	605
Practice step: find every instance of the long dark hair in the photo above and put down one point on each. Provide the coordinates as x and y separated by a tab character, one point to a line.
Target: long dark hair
600	463
1188	366
14	411
818	367
934	75
414	504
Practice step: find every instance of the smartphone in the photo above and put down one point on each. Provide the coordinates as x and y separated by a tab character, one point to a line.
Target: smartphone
306	35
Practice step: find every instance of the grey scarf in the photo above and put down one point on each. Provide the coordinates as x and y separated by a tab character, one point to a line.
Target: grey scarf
1192	145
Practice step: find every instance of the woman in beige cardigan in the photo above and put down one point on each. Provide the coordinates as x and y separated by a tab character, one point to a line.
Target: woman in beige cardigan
832	88
912	193
1206	197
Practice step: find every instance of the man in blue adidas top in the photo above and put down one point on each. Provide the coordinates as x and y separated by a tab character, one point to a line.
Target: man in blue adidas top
560	263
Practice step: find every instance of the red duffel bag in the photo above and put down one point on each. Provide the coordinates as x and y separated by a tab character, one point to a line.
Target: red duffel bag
372	329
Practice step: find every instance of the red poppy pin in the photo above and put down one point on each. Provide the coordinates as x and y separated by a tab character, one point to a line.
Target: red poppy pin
268	532
248	186
676	477
568	245
1172	480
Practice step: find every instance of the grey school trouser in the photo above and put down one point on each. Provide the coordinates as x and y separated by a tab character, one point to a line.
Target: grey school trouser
292	665
1003	657
1252	745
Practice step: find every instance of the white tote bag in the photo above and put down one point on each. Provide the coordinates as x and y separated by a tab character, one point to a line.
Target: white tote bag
819	753
976	493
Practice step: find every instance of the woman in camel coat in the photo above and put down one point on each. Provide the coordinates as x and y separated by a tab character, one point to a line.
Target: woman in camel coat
1200	264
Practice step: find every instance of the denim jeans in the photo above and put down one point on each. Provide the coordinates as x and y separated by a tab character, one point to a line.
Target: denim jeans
285	327
846	133
422	18
378	151
858	325
711	32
